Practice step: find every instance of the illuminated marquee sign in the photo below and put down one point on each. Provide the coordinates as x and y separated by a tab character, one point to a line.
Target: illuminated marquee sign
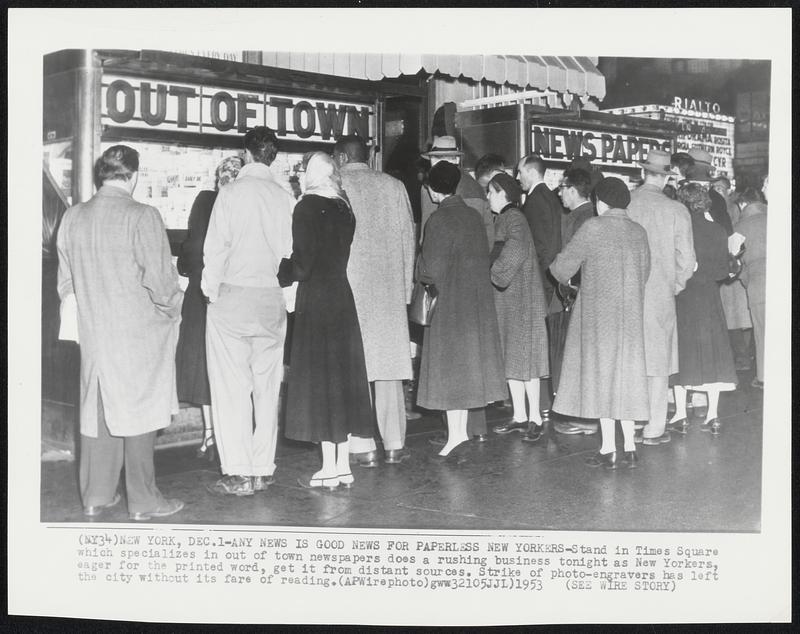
134	103
603	148
697	105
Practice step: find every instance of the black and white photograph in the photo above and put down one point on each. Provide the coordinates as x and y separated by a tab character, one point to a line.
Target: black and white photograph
357	315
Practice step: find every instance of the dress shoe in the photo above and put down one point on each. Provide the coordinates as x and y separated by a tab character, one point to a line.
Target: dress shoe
534	433
95	509
168	507
714	426
346	480
510	426
680	426
366	459
207	450
630	459
237	485
396	456
658	440
331	484
607	460
567	428
262	483
480	437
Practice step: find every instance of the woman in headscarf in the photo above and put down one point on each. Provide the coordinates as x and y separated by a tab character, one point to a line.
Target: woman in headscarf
190	357
520	304
704	350
462	366
328	393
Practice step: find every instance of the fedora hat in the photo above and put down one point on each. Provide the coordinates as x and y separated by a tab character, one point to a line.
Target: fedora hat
443	146
700	156
658	162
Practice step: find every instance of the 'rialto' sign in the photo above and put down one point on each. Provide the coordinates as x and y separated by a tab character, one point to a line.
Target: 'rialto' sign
135	103
619	150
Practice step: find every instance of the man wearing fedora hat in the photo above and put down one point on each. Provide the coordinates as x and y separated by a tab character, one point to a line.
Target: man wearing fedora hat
672	262
445	148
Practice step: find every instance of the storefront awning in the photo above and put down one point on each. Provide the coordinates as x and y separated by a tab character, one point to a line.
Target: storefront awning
577	75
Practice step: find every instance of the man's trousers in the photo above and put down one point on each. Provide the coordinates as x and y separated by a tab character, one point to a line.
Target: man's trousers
245	332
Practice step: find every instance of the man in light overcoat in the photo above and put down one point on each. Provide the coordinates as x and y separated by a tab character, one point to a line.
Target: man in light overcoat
380	271
114	257
672	262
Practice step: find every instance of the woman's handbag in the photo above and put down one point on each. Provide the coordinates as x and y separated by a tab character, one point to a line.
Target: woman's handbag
423	304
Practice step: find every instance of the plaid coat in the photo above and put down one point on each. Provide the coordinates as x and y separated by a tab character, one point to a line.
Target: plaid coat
113	254
603	373
519	299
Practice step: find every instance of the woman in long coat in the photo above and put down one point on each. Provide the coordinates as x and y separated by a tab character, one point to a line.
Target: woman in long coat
190	357
328	395
462	365
603	374
704	349
520	303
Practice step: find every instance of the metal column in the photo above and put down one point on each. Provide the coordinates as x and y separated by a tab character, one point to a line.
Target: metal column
86	142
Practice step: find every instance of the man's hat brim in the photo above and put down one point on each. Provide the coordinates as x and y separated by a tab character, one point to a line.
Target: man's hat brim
441	152
656	169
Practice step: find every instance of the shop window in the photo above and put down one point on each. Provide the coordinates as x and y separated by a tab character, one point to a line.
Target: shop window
171	176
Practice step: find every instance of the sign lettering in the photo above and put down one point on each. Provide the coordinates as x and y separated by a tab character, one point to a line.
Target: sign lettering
566	144
695	104
133	103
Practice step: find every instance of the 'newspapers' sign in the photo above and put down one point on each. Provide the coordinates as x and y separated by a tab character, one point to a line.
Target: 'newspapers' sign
139	103
603	148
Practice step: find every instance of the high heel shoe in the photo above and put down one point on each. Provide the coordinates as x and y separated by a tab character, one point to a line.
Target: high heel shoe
208	449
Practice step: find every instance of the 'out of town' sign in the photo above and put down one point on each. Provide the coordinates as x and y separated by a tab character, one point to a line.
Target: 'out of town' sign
139	103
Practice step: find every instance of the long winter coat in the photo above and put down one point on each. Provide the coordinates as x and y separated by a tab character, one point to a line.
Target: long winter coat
703	342
462	365
381	268
603	374
328	393
753	226
114	256
672	260
519	299
190	358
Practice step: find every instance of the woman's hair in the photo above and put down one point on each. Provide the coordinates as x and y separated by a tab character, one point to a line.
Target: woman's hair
228	170
510	187
694	197
751	195
670	192
119	162
443	178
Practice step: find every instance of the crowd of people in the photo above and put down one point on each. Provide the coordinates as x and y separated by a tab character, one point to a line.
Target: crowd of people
652	292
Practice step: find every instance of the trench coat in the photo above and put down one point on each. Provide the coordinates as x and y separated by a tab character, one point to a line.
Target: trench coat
462	364
672	261
115	257
753	226
381	268
603	373
519	299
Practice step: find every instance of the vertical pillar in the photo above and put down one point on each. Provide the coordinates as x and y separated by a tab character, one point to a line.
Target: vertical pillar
86	140
523	131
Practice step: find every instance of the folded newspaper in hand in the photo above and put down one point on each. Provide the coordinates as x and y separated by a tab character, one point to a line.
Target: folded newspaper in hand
289	295
735	242
68	331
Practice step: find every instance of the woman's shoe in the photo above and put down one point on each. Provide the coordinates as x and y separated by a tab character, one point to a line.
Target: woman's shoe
607	460
208	449
331	484
346	480
680	426
630	459
714	426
